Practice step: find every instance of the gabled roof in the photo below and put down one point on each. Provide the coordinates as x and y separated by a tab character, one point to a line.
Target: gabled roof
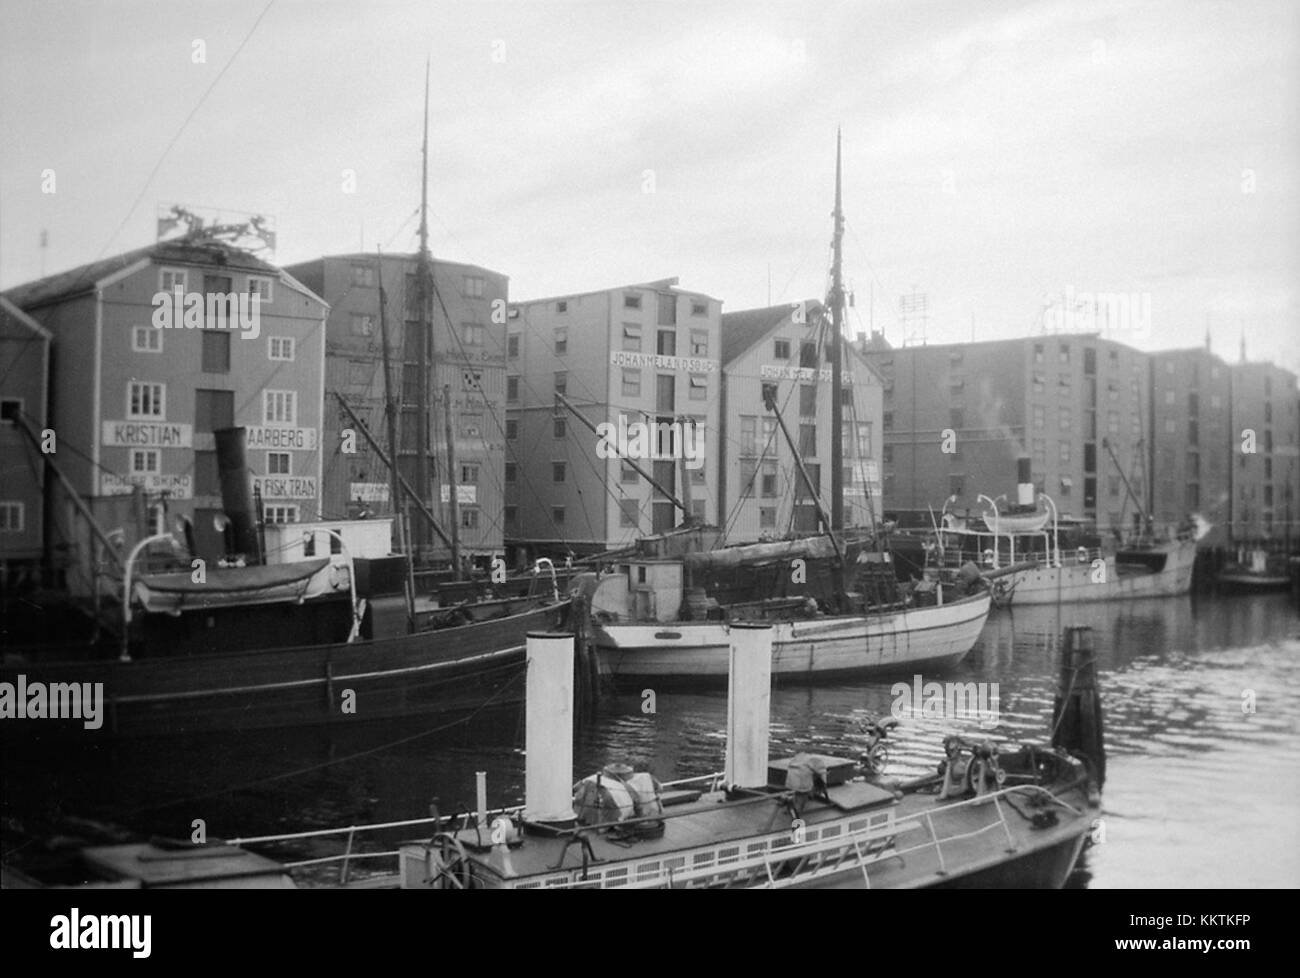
370	256
659	285
742	329
76	281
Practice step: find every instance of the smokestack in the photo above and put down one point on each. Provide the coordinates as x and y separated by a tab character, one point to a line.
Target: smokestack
749	700
1024	481
237	490
548	730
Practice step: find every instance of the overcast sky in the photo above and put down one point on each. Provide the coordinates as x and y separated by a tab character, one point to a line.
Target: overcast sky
995	153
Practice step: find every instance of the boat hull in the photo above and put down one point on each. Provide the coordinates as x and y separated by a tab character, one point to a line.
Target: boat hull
1245	582
937	636
1074	581
443	671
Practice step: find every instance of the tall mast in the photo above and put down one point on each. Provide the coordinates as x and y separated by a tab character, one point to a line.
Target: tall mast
390	404
837	377
450	482
423	338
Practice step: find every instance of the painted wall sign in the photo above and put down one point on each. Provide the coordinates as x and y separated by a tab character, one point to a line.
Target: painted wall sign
146	434
176	486
772	371
694	365
369	492
285	486
464	494
266	436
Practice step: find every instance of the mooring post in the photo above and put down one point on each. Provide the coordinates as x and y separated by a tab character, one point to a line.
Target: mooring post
582	655
1077	724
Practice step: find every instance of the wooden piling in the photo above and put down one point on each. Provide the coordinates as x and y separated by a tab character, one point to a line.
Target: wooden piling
585	680
1077	722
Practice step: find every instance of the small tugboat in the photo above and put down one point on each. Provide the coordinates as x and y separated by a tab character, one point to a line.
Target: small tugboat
991	817
1254	570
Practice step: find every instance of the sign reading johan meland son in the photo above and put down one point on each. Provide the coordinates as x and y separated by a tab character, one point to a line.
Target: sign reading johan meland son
695	365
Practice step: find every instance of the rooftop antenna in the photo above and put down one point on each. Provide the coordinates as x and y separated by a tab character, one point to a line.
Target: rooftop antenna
914	307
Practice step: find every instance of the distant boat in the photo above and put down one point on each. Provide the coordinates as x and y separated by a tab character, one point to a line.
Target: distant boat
1255	570
1028	563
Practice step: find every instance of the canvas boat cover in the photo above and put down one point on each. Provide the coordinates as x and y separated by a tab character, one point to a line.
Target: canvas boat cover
225	587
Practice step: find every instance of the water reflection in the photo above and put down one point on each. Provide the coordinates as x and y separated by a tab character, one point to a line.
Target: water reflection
1179	678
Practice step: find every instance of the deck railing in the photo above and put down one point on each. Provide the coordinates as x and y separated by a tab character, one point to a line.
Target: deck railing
349	855
775	860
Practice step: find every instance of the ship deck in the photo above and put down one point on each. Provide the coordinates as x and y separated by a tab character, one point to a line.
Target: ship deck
864	836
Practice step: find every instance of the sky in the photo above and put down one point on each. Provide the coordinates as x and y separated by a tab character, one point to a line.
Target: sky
998	156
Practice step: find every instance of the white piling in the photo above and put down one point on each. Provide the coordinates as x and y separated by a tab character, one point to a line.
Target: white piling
548	729
480	785
749	703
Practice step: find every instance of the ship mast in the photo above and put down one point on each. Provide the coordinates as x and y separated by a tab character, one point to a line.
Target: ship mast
390	403
836	301
423	338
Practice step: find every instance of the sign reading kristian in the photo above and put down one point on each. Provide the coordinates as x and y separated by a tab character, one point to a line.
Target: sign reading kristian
146	434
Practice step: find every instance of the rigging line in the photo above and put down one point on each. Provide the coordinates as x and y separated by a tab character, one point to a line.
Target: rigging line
568	455
874	277
413	215
734	515
158	165
31	338
491	411
642	506
735	511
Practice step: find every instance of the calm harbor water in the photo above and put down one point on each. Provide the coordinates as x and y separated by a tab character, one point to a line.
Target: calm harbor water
1200	792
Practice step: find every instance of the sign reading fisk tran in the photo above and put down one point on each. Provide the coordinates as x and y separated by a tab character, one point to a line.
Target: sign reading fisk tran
285	486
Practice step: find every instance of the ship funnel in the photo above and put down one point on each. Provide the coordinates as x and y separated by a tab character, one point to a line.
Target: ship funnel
237	490
1024	481
1077	724
548	730
749	702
